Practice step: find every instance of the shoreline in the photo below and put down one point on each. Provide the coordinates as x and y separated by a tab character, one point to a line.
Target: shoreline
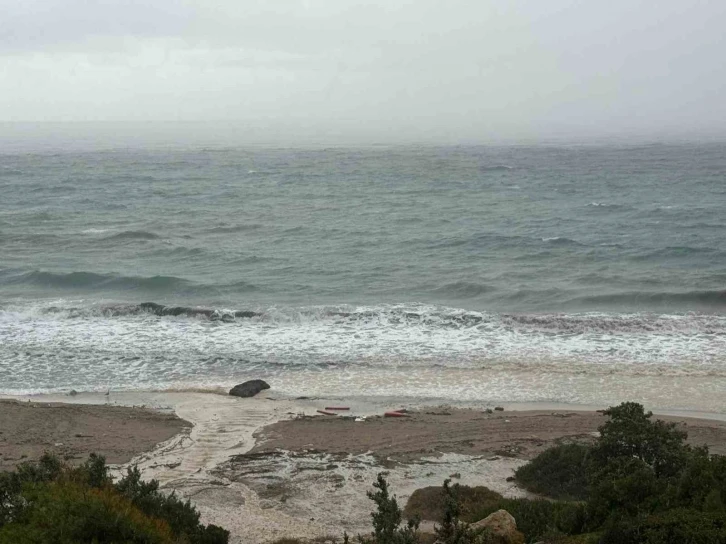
270	467
365	405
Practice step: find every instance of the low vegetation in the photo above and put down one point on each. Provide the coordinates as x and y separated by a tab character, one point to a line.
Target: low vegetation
639	483
50	502
430	502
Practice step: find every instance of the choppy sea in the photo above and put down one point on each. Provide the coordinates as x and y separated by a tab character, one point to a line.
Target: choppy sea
558	273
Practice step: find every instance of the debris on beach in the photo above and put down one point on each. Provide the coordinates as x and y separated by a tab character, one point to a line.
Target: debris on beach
395	413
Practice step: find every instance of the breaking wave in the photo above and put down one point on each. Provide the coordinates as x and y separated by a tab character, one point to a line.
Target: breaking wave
418	316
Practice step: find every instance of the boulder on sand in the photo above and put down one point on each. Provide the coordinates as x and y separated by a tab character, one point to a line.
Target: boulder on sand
502	526
249	388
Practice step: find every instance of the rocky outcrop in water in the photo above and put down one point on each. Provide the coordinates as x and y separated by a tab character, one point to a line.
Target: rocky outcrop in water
249	388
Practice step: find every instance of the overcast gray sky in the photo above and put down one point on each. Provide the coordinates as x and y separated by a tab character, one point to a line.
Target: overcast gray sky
384	68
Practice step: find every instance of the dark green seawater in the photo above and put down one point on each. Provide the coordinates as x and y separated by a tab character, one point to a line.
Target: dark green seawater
551	273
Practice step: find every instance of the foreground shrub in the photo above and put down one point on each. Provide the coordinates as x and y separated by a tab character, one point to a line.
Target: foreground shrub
639	483
452	530
560	472
539	518
50	502
677	526
630	433
67	512
388	516
430	502
640	480
181	516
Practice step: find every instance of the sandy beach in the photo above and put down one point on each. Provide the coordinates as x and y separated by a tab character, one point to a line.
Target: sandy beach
272	467
28	429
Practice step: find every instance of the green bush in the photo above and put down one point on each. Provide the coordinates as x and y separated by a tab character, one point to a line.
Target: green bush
388	516
630	433
677	526
50	502
539	518
68	512
181	516
639	482
560	472
638	469
430	502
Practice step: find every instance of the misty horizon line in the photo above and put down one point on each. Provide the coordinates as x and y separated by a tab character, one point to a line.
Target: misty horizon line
110	134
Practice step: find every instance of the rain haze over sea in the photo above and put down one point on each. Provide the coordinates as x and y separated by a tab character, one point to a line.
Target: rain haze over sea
561	273
457	201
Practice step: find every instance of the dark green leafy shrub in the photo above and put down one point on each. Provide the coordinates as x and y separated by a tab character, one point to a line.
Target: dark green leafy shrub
623	487
452	530
639	482
49	502
430	502
560	472
630	433
388	517
181	516
68	512
702	482
676	526
539	518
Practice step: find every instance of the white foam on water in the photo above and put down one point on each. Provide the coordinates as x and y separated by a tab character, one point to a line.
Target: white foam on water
671	361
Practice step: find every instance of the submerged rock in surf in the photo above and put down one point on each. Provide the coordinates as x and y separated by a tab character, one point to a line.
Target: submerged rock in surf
249	388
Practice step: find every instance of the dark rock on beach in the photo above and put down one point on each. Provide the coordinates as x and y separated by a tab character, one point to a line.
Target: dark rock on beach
249	388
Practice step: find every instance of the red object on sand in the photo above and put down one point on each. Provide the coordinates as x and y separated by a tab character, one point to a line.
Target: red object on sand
337	408
326	413
395	414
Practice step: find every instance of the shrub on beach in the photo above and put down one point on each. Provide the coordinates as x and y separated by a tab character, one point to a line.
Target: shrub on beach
48	501
430	502
561	472
639	483
387	518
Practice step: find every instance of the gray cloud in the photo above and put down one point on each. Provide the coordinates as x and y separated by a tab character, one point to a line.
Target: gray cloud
384	69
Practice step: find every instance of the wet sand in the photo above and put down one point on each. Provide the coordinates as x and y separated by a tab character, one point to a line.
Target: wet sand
28	429
517	434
